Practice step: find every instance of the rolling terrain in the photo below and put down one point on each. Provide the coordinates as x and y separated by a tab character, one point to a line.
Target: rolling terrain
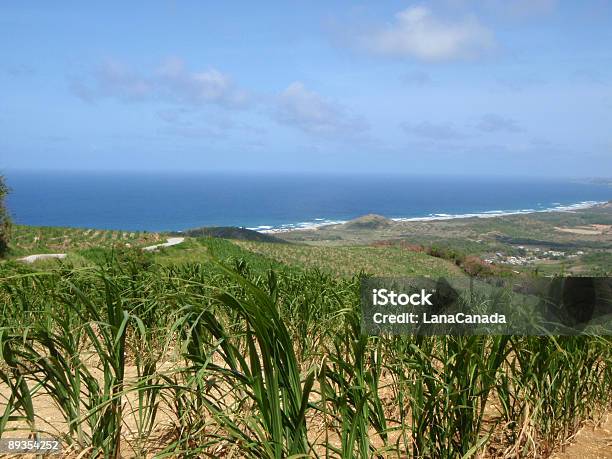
215	347
577	242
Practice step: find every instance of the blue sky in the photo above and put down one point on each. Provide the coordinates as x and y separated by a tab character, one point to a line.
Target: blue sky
518	87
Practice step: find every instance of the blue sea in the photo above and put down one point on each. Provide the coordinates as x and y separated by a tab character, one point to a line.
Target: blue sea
269	202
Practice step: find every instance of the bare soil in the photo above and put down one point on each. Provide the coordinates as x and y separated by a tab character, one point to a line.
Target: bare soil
593	441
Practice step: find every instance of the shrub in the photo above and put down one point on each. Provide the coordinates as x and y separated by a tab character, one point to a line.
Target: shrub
5	221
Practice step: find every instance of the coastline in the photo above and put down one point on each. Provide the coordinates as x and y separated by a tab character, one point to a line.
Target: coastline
321	222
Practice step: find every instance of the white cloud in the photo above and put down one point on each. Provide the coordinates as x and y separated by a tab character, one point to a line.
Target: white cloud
417	33
299	107
171	82
116	79
208	86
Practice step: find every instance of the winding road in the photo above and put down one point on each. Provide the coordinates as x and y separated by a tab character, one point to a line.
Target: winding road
171	241
42	256
47	256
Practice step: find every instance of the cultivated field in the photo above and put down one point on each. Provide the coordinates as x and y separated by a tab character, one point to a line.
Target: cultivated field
27	240
214	348
576	242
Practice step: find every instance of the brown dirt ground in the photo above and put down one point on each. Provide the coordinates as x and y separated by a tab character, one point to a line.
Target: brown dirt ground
593	441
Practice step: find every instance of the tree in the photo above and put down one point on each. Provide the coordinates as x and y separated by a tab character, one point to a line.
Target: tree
5	220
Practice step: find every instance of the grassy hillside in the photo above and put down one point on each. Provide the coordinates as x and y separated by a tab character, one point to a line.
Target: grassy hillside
229	232
27	240
584	236
578	242
90	247
199	250
348	261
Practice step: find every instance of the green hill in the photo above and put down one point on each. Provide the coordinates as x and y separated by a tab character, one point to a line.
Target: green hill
230	232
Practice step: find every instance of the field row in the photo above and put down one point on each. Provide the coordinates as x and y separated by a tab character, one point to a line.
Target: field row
27	240
141	357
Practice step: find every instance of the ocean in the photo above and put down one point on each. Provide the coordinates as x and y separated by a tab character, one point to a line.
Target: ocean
272	202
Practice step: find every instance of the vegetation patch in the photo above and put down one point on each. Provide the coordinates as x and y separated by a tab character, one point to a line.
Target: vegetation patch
210	359
230	232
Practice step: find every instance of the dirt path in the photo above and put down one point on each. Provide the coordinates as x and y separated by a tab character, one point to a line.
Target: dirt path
42	256
47	256
171	241
591	442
